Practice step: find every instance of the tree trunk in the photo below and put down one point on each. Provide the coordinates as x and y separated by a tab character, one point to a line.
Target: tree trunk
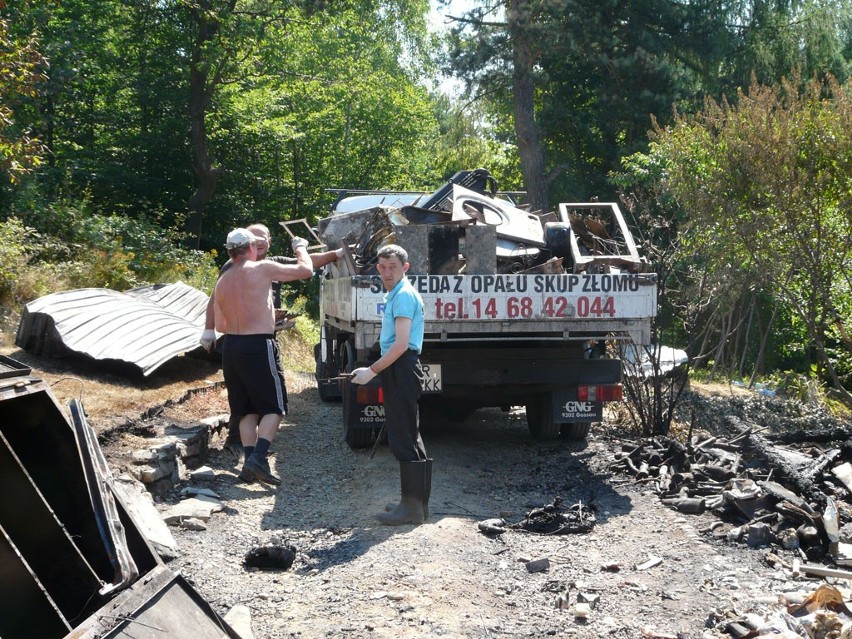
761	353
201	85
526	129
746	337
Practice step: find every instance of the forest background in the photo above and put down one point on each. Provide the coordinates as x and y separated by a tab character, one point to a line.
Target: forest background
135	133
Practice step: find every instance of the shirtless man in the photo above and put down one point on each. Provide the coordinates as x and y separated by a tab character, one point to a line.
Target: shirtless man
233	441
251	365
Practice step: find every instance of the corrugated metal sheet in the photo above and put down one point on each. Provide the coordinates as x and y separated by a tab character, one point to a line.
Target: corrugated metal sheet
146	326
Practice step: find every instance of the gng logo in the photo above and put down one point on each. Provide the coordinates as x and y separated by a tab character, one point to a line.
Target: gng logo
374	411
579	407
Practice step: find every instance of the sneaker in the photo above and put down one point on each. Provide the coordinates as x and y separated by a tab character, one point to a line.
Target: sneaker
260	469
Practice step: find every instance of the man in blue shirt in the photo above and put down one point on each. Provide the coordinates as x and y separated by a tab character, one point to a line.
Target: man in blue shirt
401	341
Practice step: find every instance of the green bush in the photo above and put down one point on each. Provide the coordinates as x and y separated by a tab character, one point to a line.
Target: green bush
14	238
139	251
93	250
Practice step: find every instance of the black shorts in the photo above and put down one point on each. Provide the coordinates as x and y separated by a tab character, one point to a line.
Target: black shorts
253	375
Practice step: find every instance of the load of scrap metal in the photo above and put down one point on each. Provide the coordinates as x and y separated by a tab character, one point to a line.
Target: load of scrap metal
468	222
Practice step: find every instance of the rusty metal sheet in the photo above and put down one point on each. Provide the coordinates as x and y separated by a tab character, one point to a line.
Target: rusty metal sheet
511	223
162	605
73	563
146	327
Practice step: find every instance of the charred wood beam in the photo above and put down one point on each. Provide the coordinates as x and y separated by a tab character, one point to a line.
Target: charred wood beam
815	436
801	474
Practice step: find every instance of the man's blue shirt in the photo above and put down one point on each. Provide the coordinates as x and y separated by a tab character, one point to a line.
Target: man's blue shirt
402	301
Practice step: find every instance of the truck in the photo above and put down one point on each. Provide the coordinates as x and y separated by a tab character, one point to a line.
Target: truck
521	309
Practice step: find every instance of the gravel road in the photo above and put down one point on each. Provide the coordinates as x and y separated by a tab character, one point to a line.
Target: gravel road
354	578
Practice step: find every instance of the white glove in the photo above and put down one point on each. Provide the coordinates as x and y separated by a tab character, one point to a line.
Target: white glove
362	375
338	253
299	242
208	338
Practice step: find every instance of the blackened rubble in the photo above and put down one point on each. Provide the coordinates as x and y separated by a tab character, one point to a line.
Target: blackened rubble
551	519
764	491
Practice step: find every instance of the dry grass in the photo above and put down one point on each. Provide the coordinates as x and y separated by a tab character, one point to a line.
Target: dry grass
114	394
296	353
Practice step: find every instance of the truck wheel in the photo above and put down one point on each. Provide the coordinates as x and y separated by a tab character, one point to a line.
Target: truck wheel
356	437
540	417
575	431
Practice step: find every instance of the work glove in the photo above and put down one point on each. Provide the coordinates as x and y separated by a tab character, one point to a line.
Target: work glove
362	375
208	338
299	242
338	253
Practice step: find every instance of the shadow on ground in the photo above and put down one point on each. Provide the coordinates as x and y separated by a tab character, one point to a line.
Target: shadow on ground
484	468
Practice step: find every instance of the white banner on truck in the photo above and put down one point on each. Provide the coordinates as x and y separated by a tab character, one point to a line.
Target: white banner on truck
508	297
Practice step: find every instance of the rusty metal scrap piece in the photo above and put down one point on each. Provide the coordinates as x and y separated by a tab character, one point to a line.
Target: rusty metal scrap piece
309	231
285	319
512	223
554	519
146	327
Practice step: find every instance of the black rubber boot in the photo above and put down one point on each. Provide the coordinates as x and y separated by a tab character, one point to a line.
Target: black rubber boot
426	492
412	479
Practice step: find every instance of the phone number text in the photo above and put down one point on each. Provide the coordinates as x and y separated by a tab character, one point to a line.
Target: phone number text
523	307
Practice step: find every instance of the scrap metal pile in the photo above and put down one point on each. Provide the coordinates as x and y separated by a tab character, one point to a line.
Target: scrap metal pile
75	560
475	229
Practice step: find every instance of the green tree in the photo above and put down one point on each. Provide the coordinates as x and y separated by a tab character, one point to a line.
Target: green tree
768	186
580	79
112	107
21	72
335	109
241	40
267	102
770	39
471	137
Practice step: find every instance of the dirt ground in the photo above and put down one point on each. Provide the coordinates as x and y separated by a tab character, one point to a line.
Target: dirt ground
354	578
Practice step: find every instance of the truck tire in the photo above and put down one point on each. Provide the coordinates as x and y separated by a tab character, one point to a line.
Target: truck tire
540	417
354	435
575	431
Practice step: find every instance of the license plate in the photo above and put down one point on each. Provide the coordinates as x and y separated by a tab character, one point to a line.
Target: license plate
431	381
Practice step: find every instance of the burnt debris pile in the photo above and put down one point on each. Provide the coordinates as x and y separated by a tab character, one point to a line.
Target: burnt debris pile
555	518
766	487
